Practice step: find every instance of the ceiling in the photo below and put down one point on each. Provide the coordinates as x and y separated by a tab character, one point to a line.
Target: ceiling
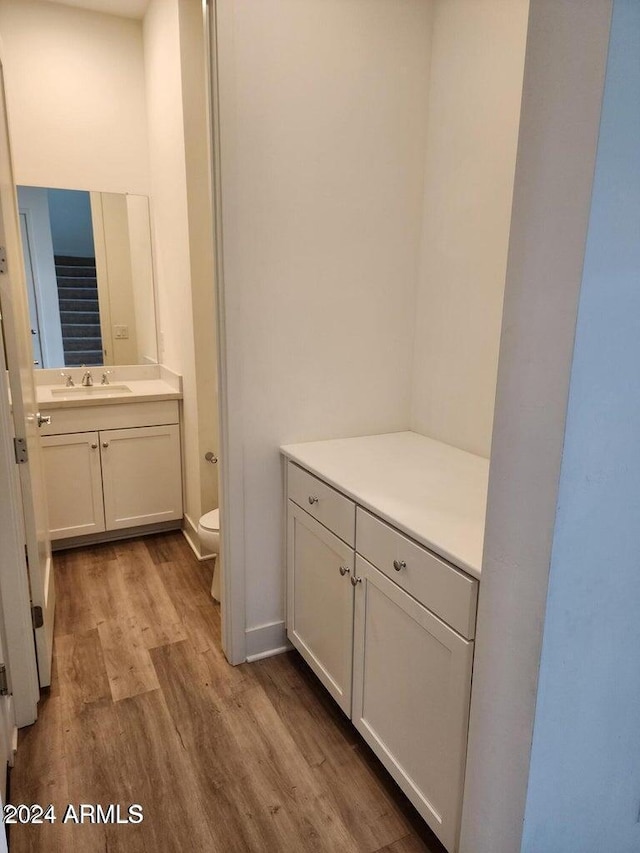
124	8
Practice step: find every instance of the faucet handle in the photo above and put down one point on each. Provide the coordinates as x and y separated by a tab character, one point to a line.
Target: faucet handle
68	379
105	377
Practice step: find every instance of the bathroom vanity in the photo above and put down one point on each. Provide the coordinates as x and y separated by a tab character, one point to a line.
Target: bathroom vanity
112	453
384	550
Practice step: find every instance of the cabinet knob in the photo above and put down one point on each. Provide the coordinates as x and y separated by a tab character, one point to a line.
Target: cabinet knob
94	446
313	499
105	444
355	581
344	570
398	565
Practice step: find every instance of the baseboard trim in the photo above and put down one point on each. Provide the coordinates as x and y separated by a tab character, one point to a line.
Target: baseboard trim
114	535
190	533
269	654
263	641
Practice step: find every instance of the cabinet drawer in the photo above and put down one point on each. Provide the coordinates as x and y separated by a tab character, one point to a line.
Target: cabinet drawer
114	416
322	502
445	590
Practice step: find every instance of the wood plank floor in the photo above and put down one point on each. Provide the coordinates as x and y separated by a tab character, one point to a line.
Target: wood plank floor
143	708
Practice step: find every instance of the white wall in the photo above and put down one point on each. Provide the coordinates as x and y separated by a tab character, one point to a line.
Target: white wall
563	80
169	220
474	112
199	211
181	280
76	97
168	183
323	119
584	786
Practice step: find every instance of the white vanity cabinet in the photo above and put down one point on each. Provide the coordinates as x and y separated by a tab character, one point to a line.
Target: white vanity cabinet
141	475
411	692
73	479
110	468
386	623
320	594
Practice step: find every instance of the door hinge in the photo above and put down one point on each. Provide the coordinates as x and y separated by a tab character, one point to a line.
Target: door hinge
4	686
36	616
20	450
3	259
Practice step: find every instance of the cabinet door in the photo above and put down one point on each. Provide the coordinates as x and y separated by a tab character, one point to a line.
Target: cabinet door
141	475
320	602
73	484
412	684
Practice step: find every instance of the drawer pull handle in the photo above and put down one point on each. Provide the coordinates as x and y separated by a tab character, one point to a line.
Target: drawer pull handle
344	570
355	581
398	565
313	499
105	444
94	446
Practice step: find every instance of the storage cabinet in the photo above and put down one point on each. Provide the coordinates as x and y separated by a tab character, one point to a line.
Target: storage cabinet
141	475
73	481
112	479
411	692
388	627
320	595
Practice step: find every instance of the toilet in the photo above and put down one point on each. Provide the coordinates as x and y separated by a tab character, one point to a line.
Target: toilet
209	535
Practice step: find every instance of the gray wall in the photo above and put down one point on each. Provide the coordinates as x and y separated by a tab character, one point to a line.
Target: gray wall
71	226
584	786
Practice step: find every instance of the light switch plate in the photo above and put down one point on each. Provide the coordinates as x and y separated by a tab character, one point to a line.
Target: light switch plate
121	333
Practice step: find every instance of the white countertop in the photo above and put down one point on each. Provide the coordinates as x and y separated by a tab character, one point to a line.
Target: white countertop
433	492
145	384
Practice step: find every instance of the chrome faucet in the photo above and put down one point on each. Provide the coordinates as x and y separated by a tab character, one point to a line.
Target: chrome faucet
87	379
68	379
105	377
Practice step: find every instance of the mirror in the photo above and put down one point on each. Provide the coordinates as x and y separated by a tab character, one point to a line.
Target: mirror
89	276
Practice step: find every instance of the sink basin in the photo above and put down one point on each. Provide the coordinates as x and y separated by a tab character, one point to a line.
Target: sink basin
91	391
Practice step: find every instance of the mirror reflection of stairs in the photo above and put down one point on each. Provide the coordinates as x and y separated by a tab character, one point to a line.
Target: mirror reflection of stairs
79	312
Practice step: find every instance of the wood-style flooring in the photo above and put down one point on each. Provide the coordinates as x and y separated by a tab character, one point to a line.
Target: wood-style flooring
143	708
